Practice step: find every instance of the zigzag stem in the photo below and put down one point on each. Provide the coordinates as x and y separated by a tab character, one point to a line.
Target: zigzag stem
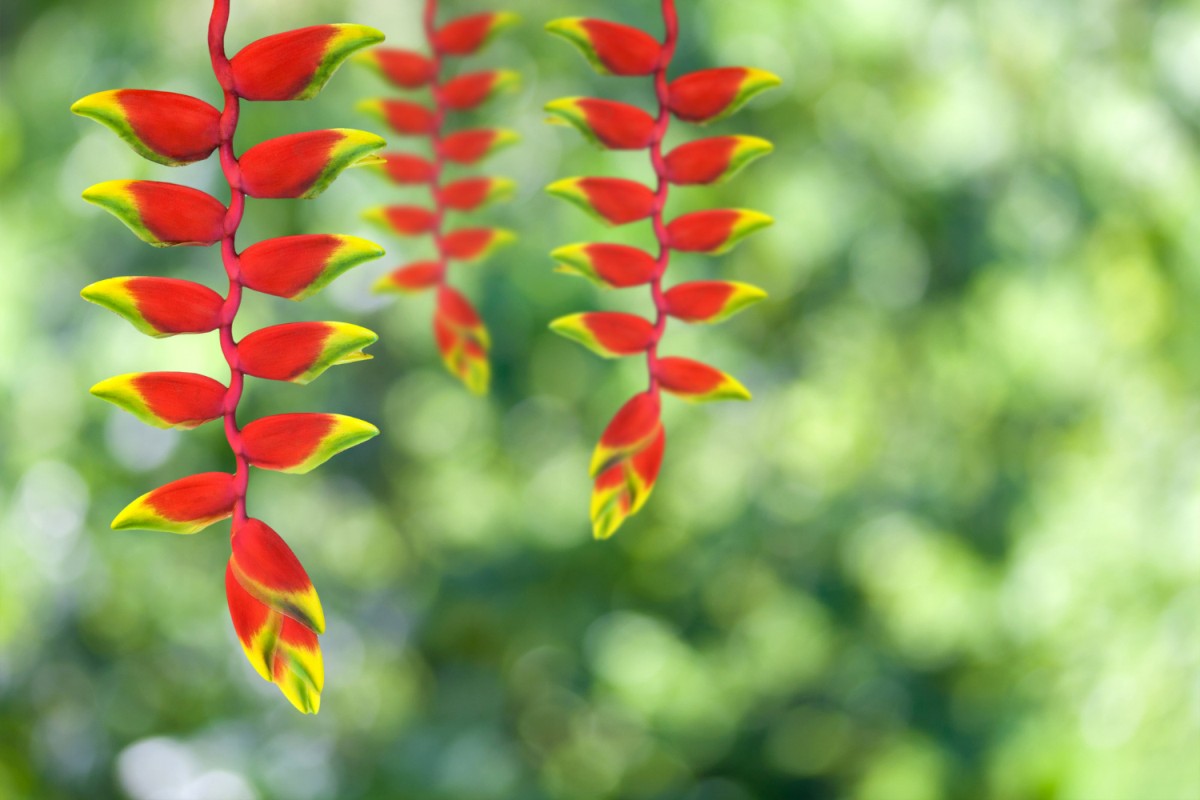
435	140
671	24
218	24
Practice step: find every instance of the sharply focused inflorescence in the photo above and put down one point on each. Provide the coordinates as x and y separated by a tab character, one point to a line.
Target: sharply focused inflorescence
275	609
459	332
627	459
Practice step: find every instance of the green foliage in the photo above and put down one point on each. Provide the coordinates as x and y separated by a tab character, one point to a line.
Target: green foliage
950	551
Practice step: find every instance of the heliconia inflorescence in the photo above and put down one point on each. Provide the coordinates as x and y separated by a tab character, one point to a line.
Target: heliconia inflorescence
274	607
460	335
627	459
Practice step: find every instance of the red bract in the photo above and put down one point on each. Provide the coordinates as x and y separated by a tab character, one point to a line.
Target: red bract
469	194
404	220
612	48
302	442
713	94
273	606
403	68
172	129
467	35
617	265
470	146
298	352
296	64
461	339
714	231
403	117
473	244
710	301
159	307
695	381
298	266
607	333
403	168
713	160
616	201
468	91
165	399
626	462
411	278
303	164
162	214
605	123
187	505
462	344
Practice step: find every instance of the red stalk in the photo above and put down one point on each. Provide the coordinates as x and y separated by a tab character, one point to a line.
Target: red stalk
229	255
662	121
435	139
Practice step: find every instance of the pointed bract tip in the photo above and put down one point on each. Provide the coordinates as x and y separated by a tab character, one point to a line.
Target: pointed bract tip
563	24
756	144
762	78
94	103
561	105
507	80
755	219
105	192
506	136
370	160
372	107
563	186
503	237
385	285
505	19
98	291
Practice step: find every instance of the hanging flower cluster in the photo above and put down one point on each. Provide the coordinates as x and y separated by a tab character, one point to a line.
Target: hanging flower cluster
626	462
274	607
458	330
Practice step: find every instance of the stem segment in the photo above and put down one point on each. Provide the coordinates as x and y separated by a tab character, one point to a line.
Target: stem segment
435	140
671	24
217	25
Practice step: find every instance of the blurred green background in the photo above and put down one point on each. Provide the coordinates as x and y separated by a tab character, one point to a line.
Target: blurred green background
951	550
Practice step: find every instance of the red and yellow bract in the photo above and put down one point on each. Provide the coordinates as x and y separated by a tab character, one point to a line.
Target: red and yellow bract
458	331
272	603
166	127
159	307
626	461
181	400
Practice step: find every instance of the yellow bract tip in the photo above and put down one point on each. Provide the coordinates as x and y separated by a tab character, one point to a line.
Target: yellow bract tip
97	101
562	105
373	107
108	190
563	24
503	237
371	160
564	186
95	292
762	78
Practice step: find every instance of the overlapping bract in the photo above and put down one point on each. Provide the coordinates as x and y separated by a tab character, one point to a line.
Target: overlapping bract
276	613
627	459
273	604
458	331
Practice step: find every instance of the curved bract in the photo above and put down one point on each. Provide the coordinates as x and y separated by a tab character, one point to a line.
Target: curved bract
626	461
458	331
273	605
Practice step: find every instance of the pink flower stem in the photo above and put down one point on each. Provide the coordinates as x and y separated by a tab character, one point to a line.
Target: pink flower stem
671	23
435	140
229	255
